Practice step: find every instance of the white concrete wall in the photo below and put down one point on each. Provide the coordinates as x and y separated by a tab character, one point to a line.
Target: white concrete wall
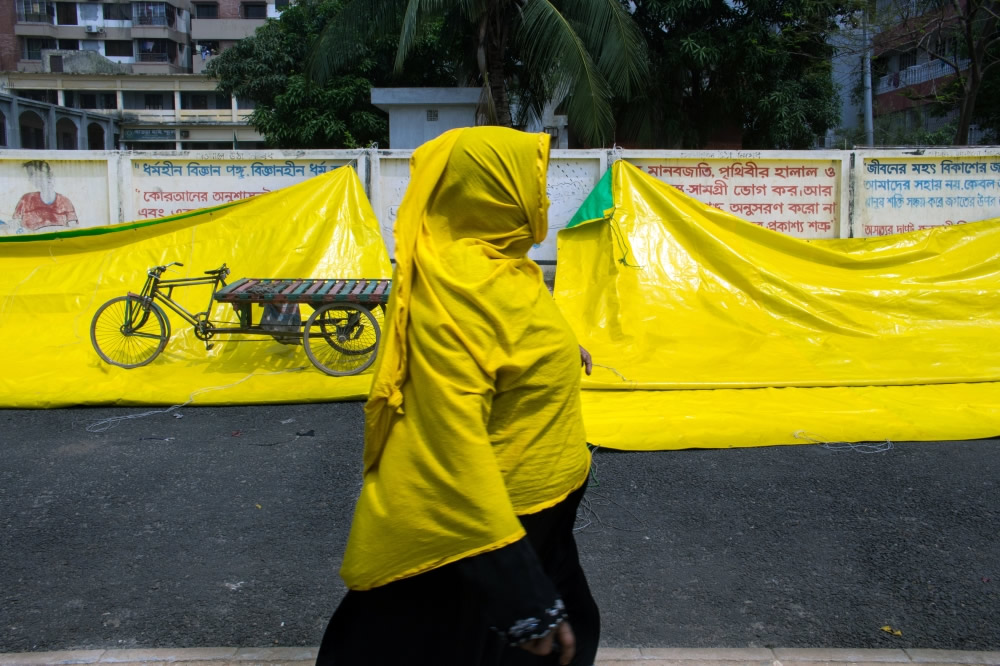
907	190
806	194
410	127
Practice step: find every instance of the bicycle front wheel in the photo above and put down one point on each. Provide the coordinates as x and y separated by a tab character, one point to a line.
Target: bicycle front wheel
341	338
126	335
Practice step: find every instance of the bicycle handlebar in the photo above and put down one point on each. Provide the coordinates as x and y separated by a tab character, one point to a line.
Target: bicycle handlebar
158	270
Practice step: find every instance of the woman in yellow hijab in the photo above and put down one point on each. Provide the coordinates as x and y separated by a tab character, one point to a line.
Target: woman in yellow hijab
461	550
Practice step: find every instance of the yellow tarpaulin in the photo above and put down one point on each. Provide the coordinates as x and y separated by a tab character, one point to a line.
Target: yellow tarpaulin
52	284
710	331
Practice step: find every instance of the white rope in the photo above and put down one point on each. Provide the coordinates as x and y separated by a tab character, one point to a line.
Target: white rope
857	447
108	423
608	367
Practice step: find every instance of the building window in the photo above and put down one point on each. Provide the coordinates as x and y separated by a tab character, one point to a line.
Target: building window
89	12
206	10
223	102
69	45
121	48
432	115
33	47
91	100
55	63
907	60
91	45
66	13
253	10
66	135
281	4
36	11
153	102
3	129
47	96
32	131
149	13
206	49
155	50
120	11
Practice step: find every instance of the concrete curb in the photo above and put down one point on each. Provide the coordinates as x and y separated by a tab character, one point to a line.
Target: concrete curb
285	656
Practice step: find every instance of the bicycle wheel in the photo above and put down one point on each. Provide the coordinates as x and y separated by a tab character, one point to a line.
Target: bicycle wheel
341	338
126	335
350	323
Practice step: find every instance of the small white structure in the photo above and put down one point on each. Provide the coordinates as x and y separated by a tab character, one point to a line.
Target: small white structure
417	115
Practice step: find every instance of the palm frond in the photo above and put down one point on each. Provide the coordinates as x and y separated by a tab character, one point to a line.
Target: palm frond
614	38
407	34
529	104
416	10
547	41
343	40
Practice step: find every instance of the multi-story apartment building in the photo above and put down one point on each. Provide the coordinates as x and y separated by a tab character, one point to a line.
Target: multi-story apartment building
914	57
141	61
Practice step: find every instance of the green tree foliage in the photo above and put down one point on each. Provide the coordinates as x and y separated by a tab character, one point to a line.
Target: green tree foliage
754	73
291	110
585	52
987	108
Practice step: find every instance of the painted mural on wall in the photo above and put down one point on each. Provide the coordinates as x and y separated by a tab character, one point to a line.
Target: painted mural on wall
169	187
51	195
798	197
900	195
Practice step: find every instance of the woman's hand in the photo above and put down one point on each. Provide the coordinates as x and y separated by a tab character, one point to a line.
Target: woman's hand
563	634
586	361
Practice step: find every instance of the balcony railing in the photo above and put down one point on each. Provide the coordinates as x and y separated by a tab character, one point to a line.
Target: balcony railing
912	76
28	17
153	57
149	20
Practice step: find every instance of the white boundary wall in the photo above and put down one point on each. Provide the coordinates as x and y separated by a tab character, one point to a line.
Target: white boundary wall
806	194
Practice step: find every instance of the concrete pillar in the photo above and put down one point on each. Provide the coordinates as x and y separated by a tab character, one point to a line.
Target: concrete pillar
177	106
61	97
234	107
121	98
52	141
83	135
14	135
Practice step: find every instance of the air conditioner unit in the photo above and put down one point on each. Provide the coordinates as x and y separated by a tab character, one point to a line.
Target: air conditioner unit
92	29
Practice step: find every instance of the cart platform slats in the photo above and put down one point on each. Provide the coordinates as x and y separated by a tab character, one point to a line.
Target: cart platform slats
305	290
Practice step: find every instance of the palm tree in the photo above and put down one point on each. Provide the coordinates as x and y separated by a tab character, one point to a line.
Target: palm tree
581	52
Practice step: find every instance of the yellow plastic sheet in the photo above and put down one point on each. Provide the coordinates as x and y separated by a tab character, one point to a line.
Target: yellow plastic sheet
711	331
51	286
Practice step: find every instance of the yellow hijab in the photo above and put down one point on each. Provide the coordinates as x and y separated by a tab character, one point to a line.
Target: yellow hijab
473	416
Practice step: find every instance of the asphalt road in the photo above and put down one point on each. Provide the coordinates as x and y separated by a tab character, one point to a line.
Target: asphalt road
225	527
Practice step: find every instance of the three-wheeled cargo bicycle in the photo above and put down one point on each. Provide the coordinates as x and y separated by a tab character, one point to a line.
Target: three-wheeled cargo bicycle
340	336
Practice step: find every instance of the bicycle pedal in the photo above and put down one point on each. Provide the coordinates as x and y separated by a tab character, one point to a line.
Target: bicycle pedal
208	346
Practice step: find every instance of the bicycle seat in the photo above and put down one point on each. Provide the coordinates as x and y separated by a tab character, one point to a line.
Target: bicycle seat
216	271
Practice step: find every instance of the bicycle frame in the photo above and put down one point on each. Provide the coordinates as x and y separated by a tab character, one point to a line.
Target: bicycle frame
158	289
